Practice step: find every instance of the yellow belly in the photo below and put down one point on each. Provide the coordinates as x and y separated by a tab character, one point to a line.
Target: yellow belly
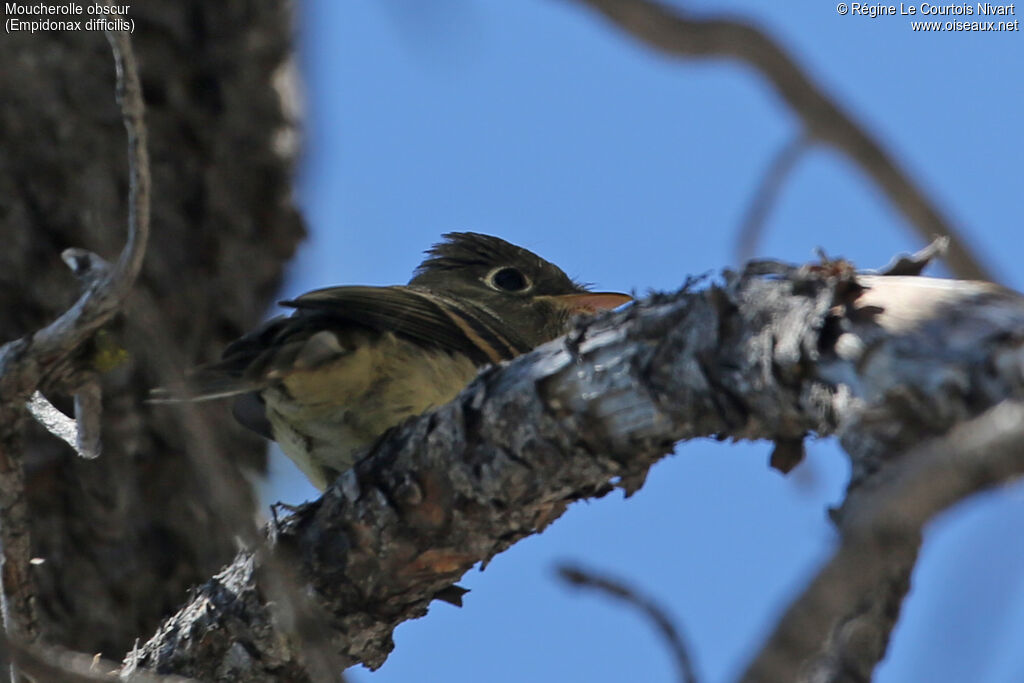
327	416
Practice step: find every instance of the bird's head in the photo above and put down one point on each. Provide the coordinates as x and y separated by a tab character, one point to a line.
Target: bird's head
532	296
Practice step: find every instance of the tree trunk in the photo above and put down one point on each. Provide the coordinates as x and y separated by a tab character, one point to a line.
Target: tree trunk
123	537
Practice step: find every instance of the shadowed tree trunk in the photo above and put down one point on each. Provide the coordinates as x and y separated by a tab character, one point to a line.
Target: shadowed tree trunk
123	537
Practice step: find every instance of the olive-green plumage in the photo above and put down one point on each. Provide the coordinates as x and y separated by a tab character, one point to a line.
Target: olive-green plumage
352	362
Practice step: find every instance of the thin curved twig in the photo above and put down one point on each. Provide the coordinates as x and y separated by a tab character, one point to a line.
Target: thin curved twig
674	32
669	633
26	363
100	301
767	192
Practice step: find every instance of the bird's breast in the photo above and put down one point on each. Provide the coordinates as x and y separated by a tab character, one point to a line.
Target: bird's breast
326	415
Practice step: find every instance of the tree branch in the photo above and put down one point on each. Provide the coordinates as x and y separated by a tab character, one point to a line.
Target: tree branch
457	486
43	356
650	609
879	544
65	428
775	353
675	32
119	534
767	191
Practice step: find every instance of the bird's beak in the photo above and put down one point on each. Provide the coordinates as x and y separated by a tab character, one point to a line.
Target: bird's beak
592	302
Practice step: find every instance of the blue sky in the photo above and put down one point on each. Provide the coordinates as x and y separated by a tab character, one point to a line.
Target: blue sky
536	121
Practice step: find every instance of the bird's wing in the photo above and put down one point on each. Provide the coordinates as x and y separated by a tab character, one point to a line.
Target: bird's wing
325	324
431	319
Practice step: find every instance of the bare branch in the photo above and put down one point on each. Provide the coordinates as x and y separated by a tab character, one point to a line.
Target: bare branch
82	432
88	411
55	422
673	638
23	366
120	535
767	191
458	486
44	356
881	534
88	267
775	353
914	264
675	32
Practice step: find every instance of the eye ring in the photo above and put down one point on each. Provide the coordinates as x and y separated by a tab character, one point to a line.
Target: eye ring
508	279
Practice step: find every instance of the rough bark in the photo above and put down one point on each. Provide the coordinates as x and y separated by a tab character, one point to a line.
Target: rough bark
776	354
458	486
118	534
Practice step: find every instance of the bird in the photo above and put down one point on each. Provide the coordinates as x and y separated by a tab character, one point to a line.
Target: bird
352	361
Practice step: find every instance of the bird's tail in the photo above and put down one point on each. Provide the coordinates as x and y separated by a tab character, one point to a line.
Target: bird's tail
232	375
206	383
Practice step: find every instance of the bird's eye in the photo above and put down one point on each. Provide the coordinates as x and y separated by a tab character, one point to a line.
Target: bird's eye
508	280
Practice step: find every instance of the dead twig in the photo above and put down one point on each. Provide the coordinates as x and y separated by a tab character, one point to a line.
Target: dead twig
914	264
752	225
44	357
106	289
650	609
80	432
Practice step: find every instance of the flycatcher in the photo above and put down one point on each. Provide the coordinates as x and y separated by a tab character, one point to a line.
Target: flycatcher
351	362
